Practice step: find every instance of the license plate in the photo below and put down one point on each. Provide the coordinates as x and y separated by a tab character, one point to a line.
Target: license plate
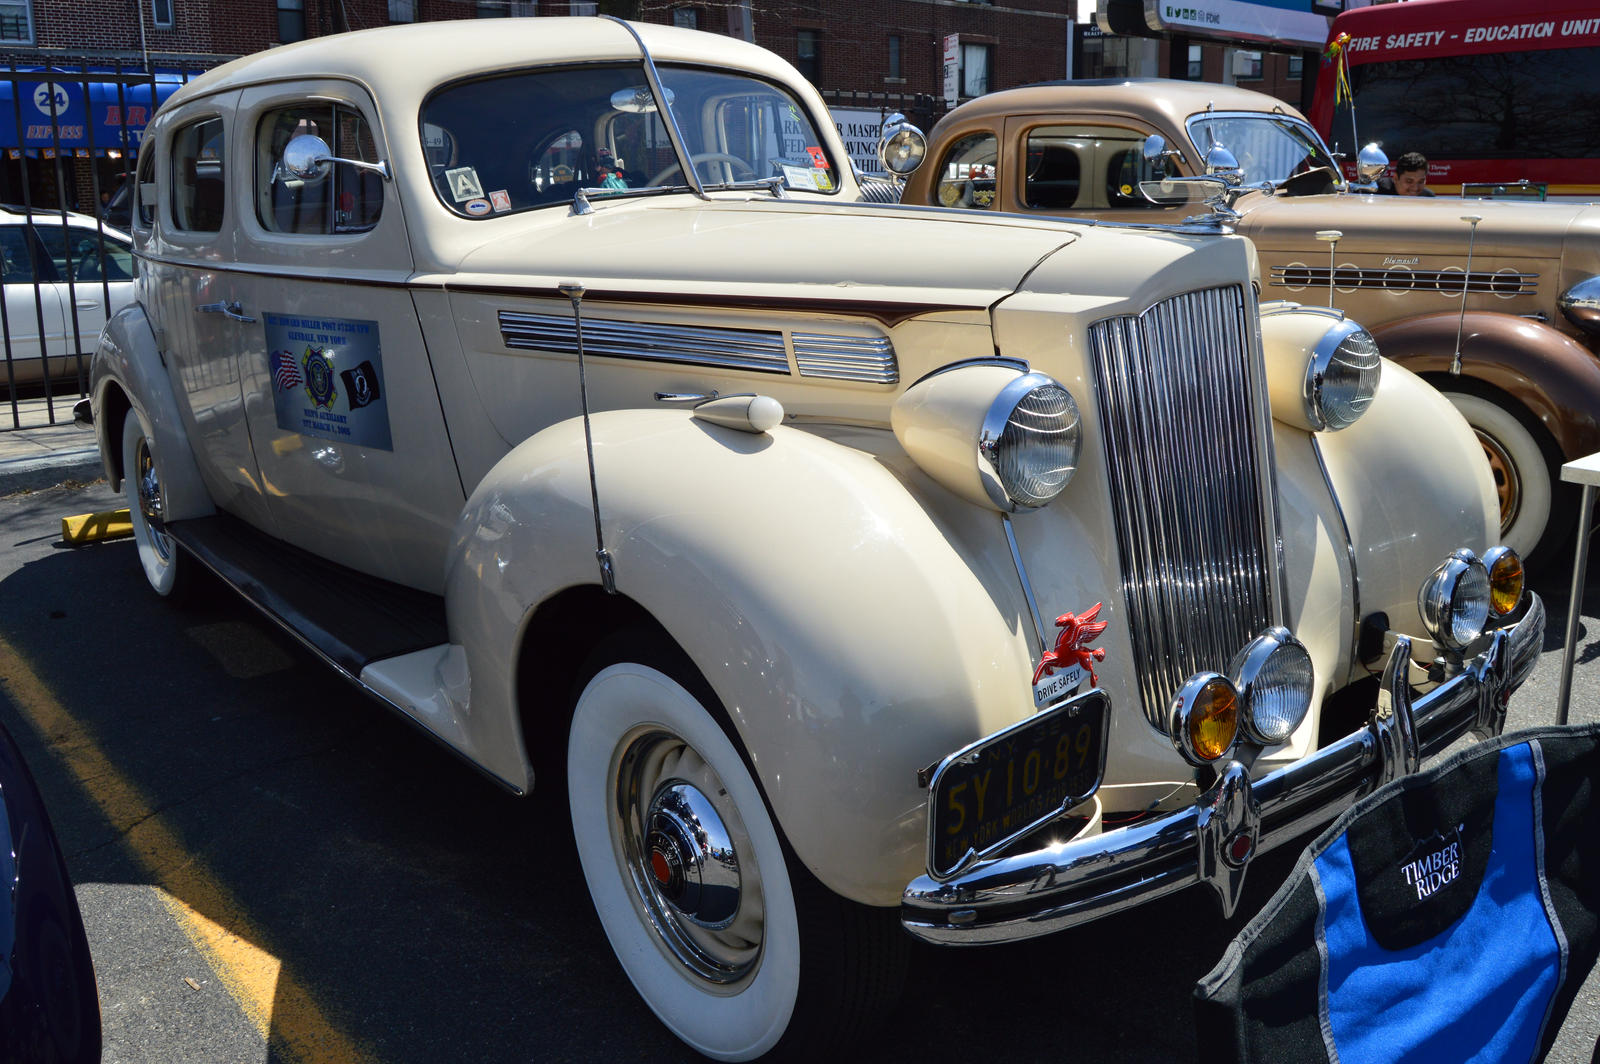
986	796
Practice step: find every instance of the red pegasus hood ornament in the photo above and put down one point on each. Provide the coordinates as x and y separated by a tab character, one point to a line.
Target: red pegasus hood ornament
1076	630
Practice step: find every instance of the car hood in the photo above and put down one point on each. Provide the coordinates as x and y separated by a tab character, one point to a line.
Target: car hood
776	252
1408	225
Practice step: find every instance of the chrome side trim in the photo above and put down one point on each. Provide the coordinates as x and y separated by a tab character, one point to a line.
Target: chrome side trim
1401	279
1062	885
756	350
1190	477
846	358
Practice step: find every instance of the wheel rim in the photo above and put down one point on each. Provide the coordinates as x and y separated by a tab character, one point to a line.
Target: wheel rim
147	483
1507	482
690	866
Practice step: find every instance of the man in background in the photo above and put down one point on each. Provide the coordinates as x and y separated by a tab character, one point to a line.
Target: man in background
1410	177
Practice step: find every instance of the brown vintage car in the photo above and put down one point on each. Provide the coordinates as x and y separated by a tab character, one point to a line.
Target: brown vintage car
1520	363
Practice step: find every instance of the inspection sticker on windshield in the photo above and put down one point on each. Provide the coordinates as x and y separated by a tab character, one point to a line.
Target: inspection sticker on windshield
464	184
800	177
327	379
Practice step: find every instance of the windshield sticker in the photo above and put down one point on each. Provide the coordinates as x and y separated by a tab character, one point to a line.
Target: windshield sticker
464	184
800	177
327	379
823	179
818	159
476	207
500	199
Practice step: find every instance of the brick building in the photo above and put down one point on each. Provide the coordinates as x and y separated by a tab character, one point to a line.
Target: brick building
127	55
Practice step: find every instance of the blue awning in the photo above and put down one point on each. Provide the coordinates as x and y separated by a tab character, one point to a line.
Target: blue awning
80	112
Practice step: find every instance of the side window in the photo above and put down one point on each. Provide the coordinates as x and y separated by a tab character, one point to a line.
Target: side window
144	191
198	190
1054	170
80	252
340	199
16	263
967	173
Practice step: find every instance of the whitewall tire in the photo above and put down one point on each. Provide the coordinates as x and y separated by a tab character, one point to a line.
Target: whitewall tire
1522	475
721	970
159	556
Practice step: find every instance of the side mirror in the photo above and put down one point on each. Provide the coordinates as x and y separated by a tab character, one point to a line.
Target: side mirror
1156	153
1371	163
901	145
306	158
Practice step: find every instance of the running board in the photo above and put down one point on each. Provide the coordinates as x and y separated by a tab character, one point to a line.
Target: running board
347	618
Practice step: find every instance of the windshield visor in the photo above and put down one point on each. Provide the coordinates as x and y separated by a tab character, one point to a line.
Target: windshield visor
518	141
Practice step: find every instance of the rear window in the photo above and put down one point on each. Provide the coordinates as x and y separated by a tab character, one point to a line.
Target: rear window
198	189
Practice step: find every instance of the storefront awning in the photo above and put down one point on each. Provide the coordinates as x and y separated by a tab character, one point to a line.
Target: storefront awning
93	112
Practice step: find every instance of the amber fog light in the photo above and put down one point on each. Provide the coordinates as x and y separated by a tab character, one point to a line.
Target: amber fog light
1454	601
1204	718
1274	678
1505	579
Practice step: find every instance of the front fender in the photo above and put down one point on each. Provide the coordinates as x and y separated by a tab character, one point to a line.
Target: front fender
834	615
1554	376
1412	485
127	370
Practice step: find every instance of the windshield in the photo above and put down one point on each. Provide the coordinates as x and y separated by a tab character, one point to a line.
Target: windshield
532	139
1274	148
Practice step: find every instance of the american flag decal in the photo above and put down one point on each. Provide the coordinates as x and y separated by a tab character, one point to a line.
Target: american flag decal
285	373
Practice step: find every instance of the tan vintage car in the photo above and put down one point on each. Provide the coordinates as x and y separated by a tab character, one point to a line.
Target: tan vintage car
851	569
1520	362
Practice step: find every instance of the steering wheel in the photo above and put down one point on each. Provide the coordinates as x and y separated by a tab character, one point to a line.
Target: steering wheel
704	157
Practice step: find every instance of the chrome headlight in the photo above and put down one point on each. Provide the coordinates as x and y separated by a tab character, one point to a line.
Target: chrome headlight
1028	448
1581	304
992	432
901	146
1275	682
1341	377
1454	601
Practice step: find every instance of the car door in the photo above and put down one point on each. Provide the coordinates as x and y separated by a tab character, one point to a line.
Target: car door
94	273
32	308
339	394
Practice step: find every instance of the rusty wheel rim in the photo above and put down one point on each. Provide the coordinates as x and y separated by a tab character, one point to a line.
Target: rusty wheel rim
1507	483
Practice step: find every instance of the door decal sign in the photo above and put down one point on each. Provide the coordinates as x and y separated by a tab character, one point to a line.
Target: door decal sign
327	379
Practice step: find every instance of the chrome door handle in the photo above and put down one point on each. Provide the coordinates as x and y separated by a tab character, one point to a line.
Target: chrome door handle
227	308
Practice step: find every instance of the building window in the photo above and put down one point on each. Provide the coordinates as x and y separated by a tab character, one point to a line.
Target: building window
809	50
161	14
291	20
686	17
1106	57
16	22
402	10
1247	66
579	7
894	58
1197	65
976	59
1297	66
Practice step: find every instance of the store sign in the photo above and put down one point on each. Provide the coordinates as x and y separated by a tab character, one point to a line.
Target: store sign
859	127
1291	22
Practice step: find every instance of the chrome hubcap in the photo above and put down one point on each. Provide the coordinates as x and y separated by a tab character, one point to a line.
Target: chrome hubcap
688	859
1507	484
148	483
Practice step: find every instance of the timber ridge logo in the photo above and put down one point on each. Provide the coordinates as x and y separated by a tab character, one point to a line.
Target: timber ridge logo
1433	863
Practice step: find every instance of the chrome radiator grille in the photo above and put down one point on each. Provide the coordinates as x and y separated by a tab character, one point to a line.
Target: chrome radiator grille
1177	397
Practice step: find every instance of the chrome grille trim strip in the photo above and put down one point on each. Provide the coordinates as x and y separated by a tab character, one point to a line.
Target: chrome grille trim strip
849	358
1405	280
756	350
1189	474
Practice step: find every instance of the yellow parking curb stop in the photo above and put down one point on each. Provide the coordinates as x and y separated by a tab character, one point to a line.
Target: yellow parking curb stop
87	528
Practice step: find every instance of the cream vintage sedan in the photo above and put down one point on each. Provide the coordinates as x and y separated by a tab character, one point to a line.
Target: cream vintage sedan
856	569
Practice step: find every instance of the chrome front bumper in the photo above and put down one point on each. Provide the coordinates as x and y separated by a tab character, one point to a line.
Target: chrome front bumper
1023	895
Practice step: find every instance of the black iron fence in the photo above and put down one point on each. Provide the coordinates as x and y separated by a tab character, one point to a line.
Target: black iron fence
69	146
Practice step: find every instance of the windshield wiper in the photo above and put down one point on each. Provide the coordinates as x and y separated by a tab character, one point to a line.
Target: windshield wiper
582	200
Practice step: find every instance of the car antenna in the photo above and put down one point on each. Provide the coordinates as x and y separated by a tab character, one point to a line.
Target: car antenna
608	580
1466	283
1331	236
